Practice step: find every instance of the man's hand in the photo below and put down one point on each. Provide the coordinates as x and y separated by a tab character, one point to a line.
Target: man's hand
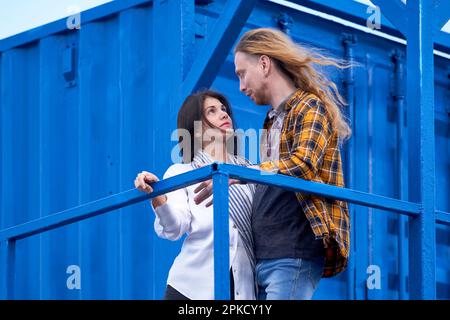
205	189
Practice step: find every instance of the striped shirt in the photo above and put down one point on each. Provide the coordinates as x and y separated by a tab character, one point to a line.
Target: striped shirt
240	204
309	149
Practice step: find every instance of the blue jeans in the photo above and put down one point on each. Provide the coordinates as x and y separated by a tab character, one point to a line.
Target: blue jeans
288	278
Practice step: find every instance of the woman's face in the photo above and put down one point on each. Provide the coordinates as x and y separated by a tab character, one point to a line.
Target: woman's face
216	113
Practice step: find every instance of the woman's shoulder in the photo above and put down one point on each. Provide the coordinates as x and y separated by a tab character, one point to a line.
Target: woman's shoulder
177	168
240	160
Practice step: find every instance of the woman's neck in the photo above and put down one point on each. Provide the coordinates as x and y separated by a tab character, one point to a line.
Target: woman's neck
217	152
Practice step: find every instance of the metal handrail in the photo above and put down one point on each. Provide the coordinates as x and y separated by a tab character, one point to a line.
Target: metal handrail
220	173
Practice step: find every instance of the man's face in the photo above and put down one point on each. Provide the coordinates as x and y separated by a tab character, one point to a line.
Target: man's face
251	77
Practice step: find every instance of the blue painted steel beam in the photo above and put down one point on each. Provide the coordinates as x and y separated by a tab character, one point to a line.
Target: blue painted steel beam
296	184
361	221
61	24
442	40
356	12
402	178
221	237
442	217
441	13
421	135
218	45
348	10
395	12
7	269
349	89
103	205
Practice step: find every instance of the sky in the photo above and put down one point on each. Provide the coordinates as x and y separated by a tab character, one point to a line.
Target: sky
21	15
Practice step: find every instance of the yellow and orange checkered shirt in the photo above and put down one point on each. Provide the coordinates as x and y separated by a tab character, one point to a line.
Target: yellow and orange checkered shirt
309	149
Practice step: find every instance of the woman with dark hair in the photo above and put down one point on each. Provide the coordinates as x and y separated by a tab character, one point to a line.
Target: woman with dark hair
206	131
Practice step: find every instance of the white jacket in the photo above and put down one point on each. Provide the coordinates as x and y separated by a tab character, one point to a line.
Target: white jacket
192	272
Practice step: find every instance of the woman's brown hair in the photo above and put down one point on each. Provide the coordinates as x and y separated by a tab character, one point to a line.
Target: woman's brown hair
191	111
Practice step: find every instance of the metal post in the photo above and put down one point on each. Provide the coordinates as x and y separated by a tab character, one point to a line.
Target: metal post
212	55
402	187
420	95
7	261
3	270
221	237
349	87
448	92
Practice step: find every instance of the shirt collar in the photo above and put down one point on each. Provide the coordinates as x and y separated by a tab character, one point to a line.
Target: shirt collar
204	157
283	107
273	113
293	99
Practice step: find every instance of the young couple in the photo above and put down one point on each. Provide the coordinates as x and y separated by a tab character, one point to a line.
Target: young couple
284	242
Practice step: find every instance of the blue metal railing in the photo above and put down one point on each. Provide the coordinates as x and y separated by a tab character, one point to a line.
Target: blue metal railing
220	173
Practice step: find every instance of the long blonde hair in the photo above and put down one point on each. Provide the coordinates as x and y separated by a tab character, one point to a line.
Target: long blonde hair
298	63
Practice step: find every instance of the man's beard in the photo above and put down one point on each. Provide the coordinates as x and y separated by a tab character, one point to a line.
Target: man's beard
260	101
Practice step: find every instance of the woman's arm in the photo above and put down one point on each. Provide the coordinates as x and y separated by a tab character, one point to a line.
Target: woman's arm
173	216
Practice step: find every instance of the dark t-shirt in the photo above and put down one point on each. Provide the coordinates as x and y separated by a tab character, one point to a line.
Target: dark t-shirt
280	227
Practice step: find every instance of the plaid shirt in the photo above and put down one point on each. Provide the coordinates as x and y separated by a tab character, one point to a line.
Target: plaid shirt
309	149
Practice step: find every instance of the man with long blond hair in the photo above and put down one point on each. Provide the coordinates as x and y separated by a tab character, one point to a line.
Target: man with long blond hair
299	238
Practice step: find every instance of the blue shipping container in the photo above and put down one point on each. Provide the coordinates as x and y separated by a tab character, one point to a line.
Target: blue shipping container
83	110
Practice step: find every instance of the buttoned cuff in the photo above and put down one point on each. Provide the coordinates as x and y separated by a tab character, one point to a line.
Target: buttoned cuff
270	166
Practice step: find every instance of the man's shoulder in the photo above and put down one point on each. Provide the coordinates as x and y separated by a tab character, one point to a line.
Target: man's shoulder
307	102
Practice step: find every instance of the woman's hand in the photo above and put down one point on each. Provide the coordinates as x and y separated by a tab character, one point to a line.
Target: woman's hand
142	182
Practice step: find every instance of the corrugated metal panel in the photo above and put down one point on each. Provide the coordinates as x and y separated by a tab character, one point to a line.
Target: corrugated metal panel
83	111
75	143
